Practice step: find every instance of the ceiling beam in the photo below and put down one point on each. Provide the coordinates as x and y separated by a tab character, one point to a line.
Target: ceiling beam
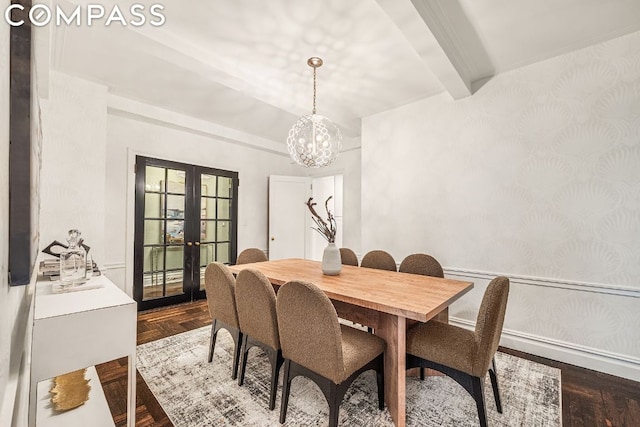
443	37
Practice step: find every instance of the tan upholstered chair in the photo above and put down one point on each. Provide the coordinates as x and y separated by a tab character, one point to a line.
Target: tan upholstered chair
256	302
425	265
348	257
464	355
316	346
221	299
251	255
380	260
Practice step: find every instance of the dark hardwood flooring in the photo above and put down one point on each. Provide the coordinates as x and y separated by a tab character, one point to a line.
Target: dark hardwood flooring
589	398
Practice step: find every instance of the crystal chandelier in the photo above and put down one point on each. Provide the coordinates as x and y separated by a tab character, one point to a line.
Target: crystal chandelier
314	141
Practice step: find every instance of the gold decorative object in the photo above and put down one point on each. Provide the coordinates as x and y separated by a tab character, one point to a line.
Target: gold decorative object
70	390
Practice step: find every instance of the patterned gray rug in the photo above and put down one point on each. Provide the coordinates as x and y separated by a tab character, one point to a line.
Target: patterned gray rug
196	393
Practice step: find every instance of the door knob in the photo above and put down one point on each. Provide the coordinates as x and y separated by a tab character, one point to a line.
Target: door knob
197	243
189	243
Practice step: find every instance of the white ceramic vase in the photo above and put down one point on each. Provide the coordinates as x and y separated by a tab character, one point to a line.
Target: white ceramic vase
331	260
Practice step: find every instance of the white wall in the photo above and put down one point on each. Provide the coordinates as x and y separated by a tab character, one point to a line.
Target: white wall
536	176
130	134
348	165
73	162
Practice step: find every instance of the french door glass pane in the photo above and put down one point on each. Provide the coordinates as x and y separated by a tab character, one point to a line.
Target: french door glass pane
208	185
224	209
152	205
175	181
153	259
175	207
224	231
207	254
207	208
154	179
225	187
153	232
224	252
175	257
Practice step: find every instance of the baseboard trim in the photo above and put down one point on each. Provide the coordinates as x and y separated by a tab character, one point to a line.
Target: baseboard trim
611	363
598	288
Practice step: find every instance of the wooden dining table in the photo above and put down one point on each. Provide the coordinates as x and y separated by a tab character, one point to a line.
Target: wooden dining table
383	300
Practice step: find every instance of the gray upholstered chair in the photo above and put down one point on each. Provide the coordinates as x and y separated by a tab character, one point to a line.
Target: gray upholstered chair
316	346
221	299
380	260
256	301
464	355
425	265
348	257
251	255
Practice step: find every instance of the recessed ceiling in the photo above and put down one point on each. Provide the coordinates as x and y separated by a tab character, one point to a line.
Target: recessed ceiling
242	63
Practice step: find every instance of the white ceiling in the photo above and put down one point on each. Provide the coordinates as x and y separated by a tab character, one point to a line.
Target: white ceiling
242	63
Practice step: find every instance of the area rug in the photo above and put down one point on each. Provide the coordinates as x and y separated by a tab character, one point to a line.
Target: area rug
196	393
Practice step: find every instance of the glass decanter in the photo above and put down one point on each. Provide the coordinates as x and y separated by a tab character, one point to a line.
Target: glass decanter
73	261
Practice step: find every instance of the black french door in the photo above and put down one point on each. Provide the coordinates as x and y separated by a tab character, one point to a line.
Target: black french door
185	218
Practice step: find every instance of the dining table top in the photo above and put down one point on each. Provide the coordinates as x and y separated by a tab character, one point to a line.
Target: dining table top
412	296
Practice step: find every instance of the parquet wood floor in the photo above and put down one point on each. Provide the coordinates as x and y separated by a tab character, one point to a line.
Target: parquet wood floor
589	398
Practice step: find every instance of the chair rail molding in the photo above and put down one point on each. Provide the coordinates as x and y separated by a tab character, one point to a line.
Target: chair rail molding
625	291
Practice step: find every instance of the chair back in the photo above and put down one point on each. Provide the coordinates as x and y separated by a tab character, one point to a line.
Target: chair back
309	330
490	321
251	255
423	264
256	301
221	297
380	260
348	257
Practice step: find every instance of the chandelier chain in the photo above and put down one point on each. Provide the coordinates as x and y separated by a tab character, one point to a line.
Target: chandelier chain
314	89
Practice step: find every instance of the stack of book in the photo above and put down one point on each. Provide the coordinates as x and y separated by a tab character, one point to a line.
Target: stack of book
51	268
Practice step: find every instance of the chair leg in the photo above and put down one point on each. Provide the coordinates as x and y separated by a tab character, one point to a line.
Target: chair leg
422	374
212	342
334	405
478	395
275	358
493	374
237	339
243	364
286	388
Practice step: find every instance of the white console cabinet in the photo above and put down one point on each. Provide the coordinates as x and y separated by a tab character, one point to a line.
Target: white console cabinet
79	330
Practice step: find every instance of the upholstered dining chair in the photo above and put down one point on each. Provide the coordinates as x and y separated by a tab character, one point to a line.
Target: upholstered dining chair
220	289
380	260
316	346
461	354
256	302
348	257
425	265
250	255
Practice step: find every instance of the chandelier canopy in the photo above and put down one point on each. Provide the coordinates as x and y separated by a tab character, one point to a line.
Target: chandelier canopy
314	141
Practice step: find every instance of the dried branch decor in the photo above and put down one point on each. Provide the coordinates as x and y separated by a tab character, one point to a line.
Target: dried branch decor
327	229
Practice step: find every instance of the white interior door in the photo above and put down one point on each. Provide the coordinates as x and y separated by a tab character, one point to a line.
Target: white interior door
289	219
322	188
